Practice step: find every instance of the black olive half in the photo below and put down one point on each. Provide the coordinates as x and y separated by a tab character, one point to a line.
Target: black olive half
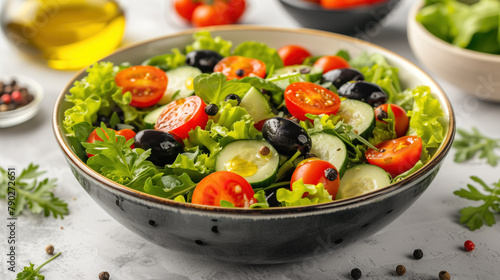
204	60
340	76
367	92
286	136
164	147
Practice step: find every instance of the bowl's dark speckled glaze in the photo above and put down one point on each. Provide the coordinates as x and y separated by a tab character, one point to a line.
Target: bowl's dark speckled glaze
351	21
247	236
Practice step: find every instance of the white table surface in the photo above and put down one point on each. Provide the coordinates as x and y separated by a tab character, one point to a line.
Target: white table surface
91	241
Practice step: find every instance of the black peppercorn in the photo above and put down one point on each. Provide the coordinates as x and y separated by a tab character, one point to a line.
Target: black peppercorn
331	174
104	275
240	72
418	254
211	109
356	273
443	275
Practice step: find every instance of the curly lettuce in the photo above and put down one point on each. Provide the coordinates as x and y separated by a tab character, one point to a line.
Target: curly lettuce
203	40
260	51
315	194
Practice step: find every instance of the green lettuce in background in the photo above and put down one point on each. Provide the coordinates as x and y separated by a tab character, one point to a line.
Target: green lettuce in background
475	26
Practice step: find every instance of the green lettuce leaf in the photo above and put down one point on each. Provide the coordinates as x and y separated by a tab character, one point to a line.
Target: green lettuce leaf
203	41
213	88
315	194
425	120
261	52
167	61
170	186
260	196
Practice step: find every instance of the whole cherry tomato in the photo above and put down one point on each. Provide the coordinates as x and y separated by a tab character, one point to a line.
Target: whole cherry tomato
223	185
315	171
293	54
185	8
237	67
210	12
397	155
331	62
401	121
182	115
305	97
146	83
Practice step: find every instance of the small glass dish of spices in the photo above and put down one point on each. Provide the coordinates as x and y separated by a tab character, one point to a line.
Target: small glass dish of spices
20	99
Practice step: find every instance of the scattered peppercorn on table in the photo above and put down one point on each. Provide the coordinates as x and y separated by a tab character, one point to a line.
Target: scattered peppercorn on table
426	242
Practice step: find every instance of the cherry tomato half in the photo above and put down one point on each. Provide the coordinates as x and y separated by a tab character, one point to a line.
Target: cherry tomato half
397	155
223	185
401	122
331	62
293	54
306	97
185	8
315	171
182	115
146	83
127	133
339	4
237	67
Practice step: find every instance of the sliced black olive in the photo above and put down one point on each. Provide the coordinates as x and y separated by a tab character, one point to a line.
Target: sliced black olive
204	60
367	92
340	76
164	147
233	96
286	136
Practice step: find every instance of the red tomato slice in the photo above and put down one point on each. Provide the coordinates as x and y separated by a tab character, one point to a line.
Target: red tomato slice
331	62
306	97
146	83
314	171
293	54
401	123
223	185
180	116
237	67
127	133
397	155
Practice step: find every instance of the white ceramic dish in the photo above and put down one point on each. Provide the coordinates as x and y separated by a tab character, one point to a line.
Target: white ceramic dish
473	72
22	114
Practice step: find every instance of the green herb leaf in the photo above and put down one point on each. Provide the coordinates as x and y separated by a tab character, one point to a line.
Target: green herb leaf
471	144
213	88
475	216
33	193
31	273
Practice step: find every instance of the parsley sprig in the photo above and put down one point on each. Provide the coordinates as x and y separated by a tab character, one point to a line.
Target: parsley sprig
473	143
31	273
475	216
32	193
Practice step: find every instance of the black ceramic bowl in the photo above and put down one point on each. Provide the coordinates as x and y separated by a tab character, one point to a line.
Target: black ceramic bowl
257	236
358	21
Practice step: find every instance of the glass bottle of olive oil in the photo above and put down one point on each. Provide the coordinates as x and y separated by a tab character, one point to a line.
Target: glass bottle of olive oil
68	34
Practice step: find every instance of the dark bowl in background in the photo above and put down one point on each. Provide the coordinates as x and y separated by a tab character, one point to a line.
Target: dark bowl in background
350	21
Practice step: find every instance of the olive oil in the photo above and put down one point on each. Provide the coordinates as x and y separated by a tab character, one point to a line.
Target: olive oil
69	34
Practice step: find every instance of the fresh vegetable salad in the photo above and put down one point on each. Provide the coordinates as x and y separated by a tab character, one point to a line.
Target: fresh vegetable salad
252	126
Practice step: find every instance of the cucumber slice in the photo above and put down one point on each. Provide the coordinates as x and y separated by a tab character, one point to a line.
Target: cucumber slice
361	179
243	157
311	74
180	83
256	105
359	115
151	117
330	148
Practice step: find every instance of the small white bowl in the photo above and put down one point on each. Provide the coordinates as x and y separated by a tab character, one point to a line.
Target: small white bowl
24	113
474	72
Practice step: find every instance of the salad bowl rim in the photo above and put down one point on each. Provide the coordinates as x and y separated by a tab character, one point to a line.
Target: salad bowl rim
336	204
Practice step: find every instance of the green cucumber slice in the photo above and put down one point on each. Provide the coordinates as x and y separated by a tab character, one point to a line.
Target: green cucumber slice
178	81
330	148
256	105
151	117
243	157
359	115
361	179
